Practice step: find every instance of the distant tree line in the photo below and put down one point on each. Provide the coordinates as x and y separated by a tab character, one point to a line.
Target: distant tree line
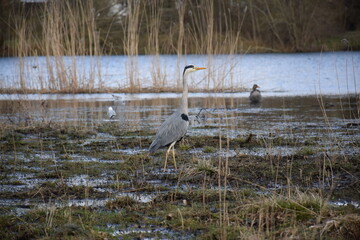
131	27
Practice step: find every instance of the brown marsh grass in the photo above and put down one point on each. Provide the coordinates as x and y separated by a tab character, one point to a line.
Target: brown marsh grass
153	46
64	32
68	30
56	29
233	195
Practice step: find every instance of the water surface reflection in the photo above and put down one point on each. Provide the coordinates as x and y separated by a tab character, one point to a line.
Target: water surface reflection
209	113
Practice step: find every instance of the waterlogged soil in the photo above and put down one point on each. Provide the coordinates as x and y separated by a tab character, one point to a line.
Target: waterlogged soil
289	167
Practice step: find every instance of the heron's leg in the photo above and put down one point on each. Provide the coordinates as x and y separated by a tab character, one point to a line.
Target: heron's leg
173	151
166	157
167	154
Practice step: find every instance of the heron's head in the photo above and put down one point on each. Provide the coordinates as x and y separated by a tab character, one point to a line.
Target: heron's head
255	87
191	68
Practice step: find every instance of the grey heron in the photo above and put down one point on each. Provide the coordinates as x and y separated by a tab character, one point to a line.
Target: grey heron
255	95
111	113
174	128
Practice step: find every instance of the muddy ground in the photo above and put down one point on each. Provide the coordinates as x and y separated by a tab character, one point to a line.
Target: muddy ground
79	182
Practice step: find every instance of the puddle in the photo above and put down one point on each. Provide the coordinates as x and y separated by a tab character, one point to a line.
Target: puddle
17	206
256	151
139	197
345	203
23	182
79	158
44	156
86	202
130	151
13	188
86	181
143	230
94	203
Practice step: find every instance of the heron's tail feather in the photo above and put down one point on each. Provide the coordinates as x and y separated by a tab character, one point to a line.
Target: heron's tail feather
154	146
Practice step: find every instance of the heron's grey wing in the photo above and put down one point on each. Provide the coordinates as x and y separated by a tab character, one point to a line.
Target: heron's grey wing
172	130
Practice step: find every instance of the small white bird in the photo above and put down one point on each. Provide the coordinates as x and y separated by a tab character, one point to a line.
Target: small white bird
119	100
111	113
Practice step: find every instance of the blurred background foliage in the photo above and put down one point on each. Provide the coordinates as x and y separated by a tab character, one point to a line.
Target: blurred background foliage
180	26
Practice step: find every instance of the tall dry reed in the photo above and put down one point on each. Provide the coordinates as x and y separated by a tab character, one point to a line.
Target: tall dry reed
153	19
67	31
181	7
131	41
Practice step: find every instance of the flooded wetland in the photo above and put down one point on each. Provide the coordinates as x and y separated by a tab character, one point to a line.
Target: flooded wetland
93	92
290	163
288	167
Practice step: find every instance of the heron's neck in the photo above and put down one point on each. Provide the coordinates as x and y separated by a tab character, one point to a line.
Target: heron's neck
184	98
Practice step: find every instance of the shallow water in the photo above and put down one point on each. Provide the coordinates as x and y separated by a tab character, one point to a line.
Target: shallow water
276	74
209	113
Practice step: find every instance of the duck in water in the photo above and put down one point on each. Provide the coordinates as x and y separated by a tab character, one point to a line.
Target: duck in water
255	95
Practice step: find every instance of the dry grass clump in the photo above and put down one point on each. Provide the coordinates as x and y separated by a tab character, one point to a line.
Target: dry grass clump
200	166
121	202
342	227
271	211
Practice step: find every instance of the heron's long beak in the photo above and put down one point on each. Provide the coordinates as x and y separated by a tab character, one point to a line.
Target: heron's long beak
199	68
